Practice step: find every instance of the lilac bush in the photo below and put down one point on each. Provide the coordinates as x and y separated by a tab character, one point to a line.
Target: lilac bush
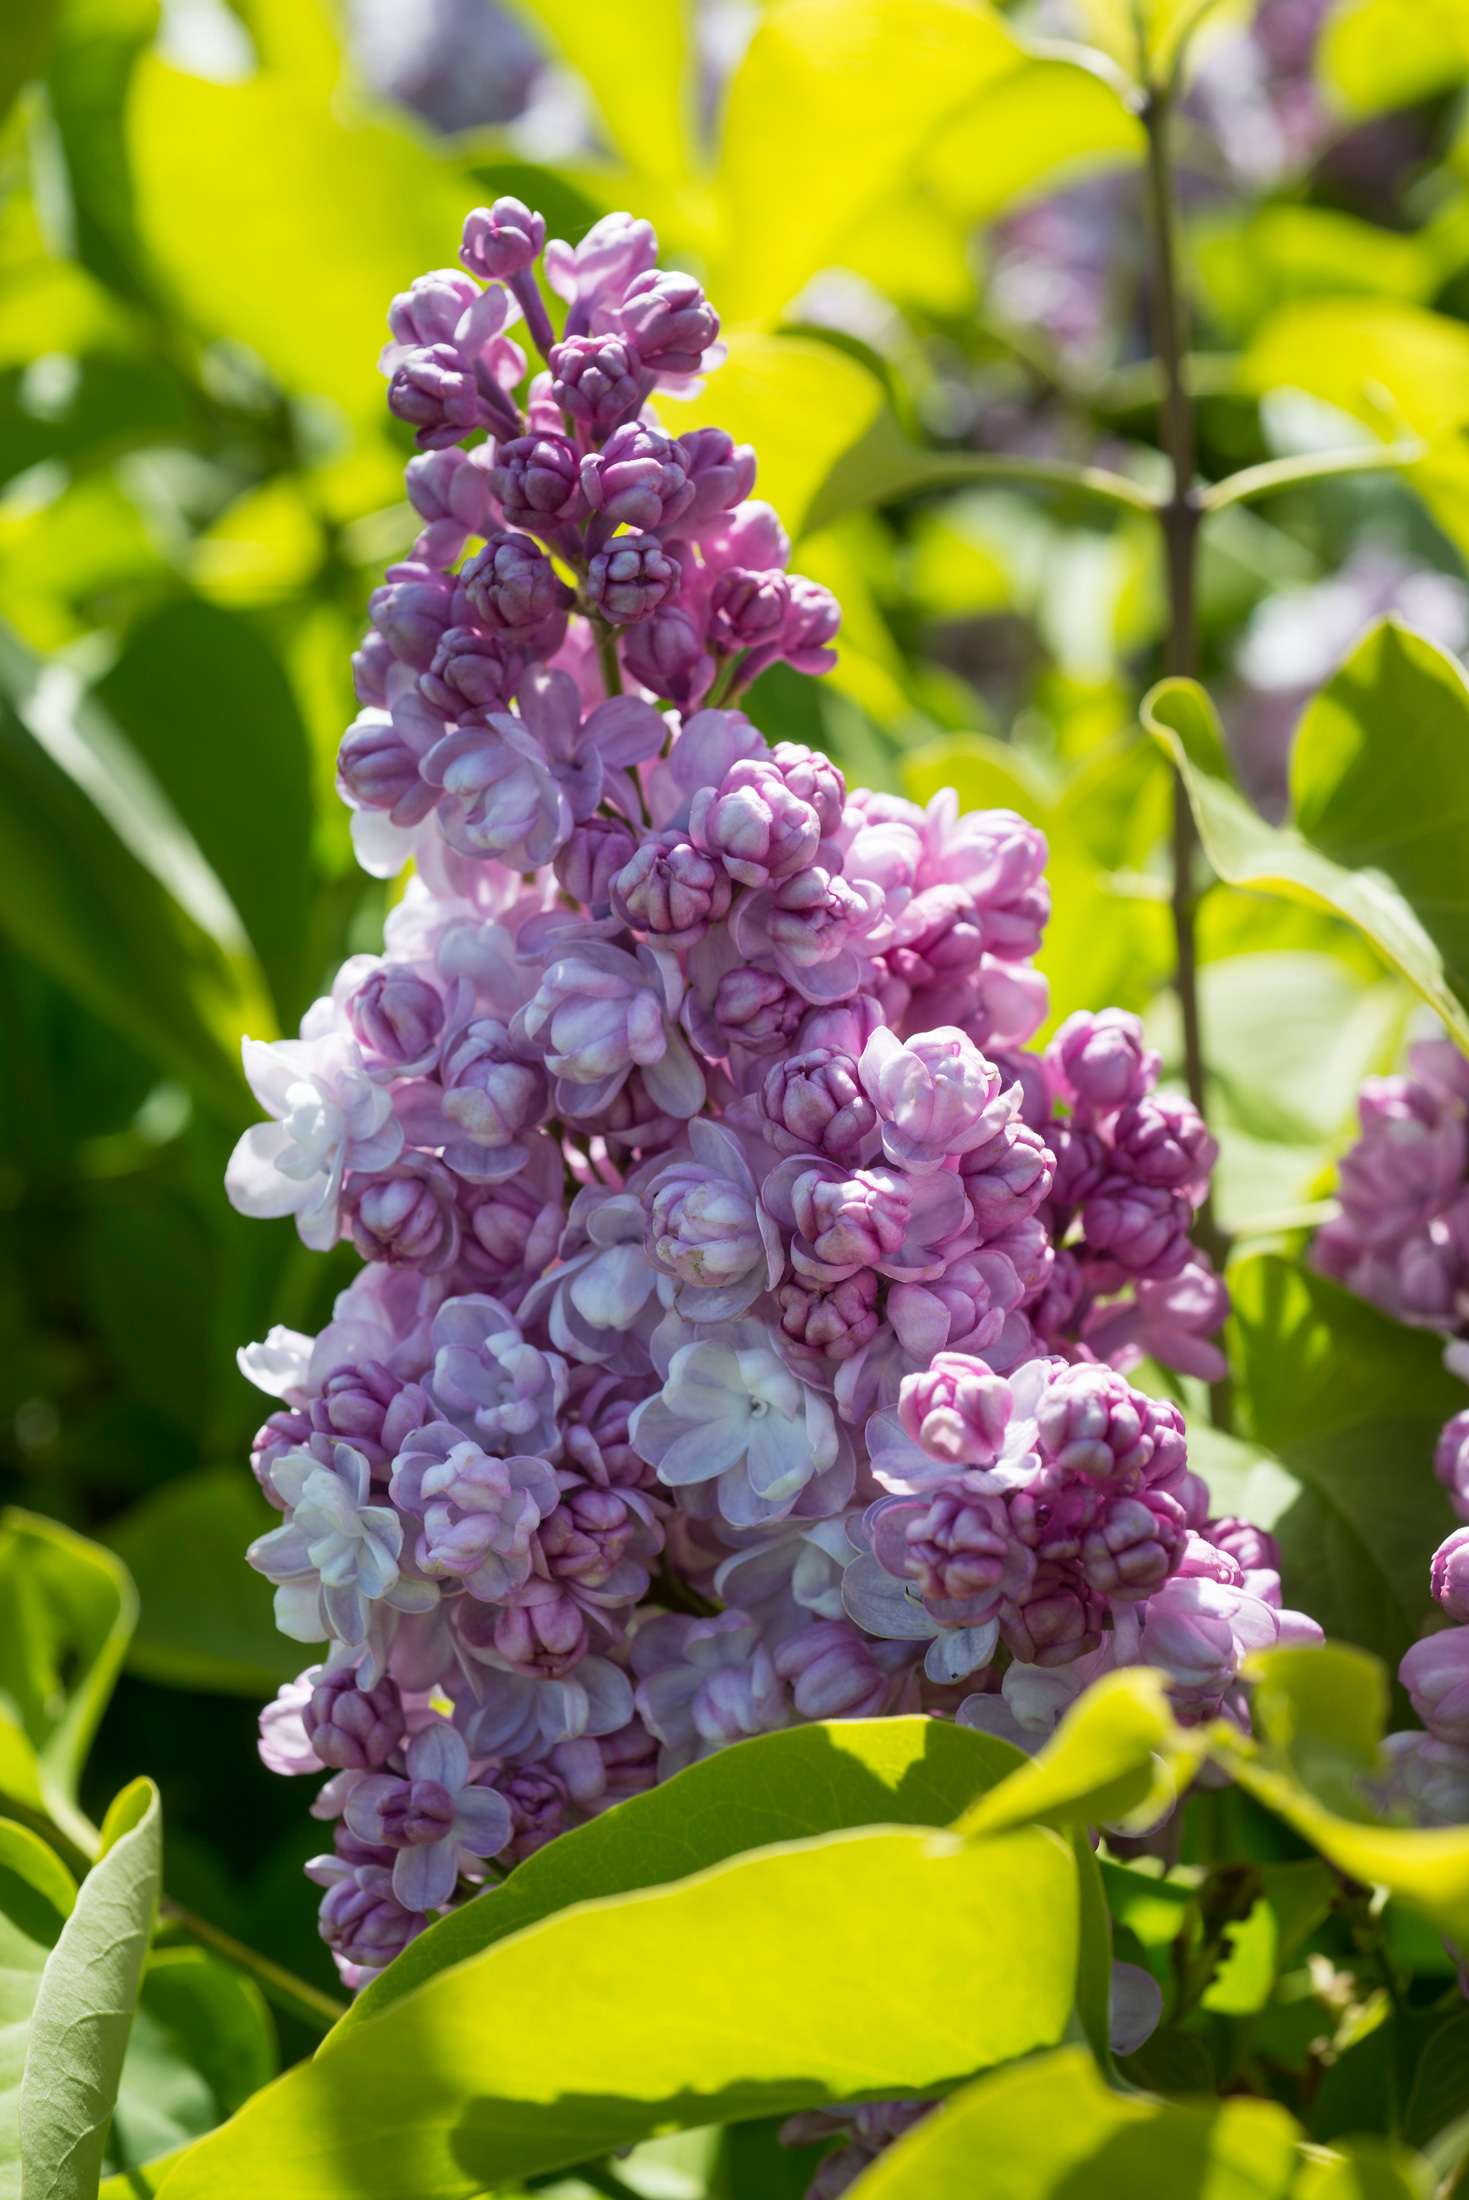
748	1305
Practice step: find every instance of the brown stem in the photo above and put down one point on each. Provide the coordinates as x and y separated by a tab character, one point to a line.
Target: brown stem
1179	519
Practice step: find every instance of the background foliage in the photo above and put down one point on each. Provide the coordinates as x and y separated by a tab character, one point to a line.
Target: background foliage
924	234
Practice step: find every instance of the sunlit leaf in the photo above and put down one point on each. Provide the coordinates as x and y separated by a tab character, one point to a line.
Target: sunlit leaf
1117	1752
1319	1714
67	1609
825	1971
641	86
833	106
776	1787
343	214
84	2008
1392	53
1052	2129
1046	124
202	2042
1281	860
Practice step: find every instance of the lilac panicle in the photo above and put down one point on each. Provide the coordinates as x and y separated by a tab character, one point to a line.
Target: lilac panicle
725	1243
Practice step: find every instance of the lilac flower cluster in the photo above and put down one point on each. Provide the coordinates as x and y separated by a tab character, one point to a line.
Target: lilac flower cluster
1402	1238
1428	1771
741	1332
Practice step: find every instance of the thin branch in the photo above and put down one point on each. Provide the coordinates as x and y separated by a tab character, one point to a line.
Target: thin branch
1046	473
1284	473
283	1987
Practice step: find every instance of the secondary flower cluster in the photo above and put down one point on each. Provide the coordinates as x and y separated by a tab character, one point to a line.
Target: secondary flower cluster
745	1306
1402	1238
1429	1771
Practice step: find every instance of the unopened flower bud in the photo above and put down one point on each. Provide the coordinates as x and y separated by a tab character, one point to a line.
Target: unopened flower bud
590	860
957	1409
637	479
512	583
1142	1227
748	610
671	891
352	1728
596	379
1435	1673
759	828
1101	1061
1449	1574
396	1019
834	1324
502	240
757	1010
668	321
721	470
537	479
834	1672
814	1103
629	580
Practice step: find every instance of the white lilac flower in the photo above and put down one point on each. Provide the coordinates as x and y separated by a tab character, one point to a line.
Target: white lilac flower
337	1554
731	1412
328	1117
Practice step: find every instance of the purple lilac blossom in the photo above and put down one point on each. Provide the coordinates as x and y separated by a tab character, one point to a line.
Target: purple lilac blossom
718	1213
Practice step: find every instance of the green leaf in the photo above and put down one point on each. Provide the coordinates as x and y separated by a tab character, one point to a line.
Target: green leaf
825	1972
1392	53
801	403
37	1894
364	206
1318	1718
1440	2092
25	34
202	2043
776	1787
1380	779
205	1619
1047	119
1118	1753
67	1609
84	907
1350	1403
1367	2169
831	110
1283	860
84	2009
641	85
245	788
1052	2130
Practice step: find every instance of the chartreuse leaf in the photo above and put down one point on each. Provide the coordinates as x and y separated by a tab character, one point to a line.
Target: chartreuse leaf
1118	1755
776	1787
1392	53
84	2009
1045	115
1318	1715
67	1609
360	204
1350	1404
37	1893
829	113
1392	906
205	1621
1053	2130
641	85
825	1971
